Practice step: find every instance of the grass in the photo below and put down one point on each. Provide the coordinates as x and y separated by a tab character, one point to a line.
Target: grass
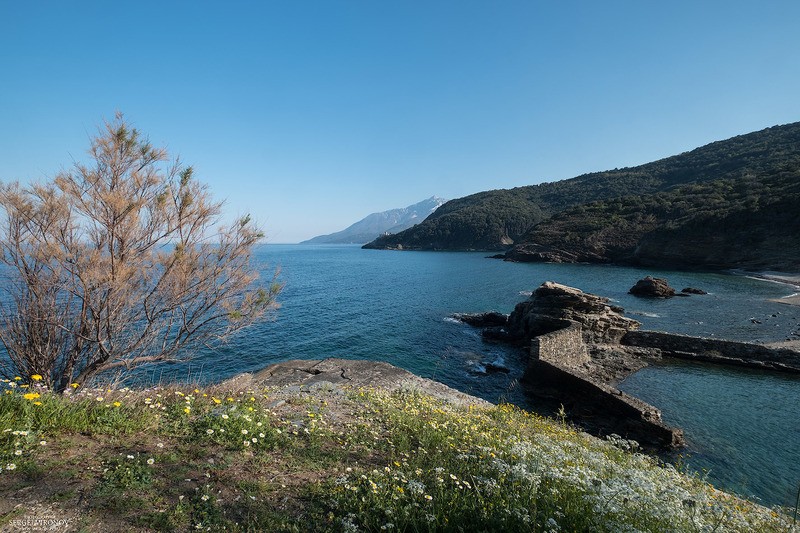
181	458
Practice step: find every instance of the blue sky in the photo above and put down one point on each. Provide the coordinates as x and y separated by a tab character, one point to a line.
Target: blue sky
311	115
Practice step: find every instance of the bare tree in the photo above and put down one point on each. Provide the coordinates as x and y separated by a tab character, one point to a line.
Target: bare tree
118	263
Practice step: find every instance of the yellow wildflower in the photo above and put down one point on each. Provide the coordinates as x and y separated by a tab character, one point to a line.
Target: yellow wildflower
37	403
36	377
117	404
74	385
31	395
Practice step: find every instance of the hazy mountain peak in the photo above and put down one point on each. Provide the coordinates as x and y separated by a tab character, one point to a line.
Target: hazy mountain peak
376	224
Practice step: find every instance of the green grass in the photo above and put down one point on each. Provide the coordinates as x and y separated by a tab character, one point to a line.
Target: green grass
180	459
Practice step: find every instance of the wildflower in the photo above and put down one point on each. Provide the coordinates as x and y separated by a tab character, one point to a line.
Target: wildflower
148	401
17	452
11	466
31	395
130	457
225	417
117	404
36	377
187	410
210	431
428	497
204	497
74	385
160	445
17	378
151	461
244	432
216	400
99	398
42	443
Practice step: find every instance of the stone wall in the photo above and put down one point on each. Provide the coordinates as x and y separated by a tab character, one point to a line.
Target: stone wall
716	350
620	413
564	347
557	369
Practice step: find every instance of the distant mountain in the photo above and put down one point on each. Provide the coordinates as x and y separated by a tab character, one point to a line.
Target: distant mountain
731	203
376	224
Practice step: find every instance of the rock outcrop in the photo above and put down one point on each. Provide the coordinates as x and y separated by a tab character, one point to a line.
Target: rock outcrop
334	374
482	320
540	253
553	306
653	288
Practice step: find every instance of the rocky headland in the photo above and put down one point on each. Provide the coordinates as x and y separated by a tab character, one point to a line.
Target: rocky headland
580	346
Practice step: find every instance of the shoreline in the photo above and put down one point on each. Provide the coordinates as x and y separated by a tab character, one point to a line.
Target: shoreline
784	278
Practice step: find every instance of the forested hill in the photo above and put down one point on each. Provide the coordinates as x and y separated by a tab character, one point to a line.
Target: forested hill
739	184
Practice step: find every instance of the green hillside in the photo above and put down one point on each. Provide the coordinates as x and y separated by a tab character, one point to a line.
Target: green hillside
605	215
750	222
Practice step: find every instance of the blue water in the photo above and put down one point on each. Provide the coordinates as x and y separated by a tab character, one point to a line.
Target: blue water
341	301
742	425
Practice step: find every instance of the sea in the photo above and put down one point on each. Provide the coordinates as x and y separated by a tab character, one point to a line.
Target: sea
742	426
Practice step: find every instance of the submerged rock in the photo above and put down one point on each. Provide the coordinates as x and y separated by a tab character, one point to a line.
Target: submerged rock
653	288
692	290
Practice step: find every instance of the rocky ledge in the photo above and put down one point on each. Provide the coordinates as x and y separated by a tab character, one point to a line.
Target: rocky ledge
334	374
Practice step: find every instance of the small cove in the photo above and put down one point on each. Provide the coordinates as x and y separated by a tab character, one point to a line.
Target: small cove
742	425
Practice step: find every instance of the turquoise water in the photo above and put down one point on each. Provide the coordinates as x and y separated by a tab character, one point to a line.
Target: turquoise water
341	301
742	425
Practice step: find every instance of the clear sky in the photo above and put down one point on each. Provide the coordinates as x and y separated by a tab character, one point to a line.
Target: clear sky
310	115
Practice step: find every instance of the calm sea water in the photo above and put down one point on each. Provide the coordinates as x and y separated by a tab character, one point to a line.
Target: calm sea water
341	301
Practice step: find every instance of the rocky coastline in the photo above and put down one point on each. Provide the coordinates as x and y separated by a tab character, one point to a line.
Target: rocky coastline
579	347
